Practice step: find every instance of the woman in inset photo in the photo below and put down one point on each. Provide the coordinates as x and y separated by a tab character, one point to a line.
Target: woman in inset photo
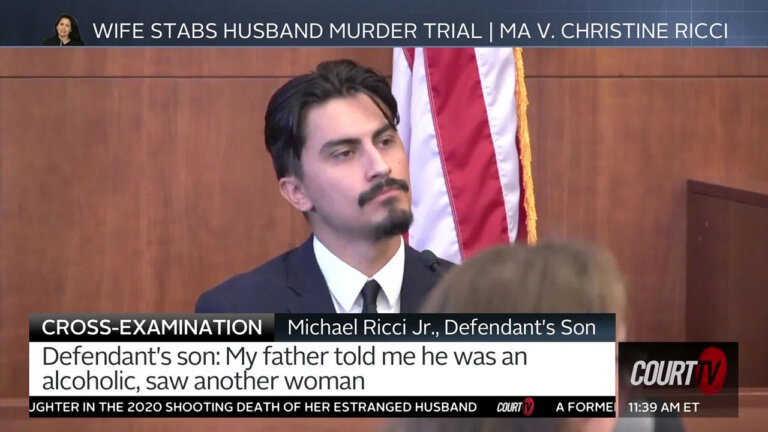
65	33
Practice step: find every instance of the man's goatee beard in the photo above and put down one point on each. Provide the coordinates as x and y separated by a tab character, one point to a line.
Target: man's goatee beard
396	223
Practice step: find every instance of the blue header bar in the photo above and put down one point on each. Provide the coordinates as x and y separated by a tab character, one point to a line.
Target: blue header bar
451	23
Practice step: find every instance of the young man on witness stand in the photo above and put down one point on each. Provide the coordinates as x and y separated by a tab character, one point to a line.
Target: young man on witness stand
334	144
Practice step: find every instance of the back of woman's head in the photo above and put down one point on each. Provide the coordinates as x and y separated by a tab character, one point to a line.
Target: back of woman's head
548	278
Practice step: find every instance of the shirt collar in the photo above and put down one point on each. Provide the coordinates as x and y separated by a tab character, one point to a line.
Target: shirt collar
345	281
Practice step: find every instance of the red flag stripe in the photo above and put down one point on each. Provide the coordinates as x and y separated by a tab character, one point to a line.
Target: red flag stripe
409	54
466	148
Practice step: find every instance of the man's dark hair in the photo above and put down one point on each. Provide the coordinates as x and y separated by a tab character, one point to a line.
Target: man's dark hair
285	129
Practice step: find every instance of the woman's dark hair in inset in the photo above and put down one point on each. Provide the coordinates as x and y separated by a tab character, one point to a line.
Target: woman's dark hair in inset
284	129
74	34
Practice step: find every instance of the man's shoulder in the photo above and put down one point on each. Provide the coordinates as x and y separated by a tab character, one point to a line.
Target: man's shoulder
271	272
429	260
261	289
445	265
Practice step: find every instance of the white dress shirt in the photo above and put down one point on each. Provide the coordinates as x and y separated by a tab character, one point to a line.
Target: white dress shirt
346	282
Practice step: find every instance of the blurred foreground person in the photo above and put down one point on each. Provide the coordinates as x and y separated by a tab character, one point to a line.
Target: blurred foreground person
548	278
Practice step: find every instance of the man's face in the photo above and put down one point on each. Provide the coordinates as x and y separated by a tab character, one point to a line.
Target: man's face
355	170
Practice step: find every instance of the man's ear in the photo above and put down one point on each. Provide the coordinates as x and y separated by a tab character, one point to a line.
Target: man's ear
293	190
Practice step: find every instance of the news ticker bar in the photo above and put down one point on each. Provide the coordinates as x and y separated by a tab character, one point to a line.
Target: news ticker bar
479	406
322	327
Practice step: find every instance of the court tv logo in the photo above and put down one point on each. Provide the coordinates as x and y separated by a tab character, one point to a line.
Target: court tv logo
707	373
526	407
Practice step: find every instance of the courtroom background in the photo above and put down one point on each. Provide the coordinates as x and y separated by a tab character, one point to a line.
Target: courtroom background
133	179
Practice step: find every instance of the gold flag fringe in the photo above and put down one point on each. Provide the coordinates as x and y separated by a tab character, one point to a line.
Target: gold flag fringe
524	138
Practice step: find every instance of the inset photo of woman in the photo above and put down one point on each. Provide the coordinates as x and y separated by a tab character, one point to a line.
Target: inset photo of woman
65	33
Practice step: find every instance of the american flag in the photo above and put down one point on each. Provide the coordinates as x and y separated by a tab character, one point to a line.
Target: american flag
463	123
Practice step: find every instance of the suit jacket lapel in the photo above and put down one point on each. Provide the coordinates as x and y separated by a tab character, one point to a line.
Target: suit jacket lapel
306	281
311	293
417	281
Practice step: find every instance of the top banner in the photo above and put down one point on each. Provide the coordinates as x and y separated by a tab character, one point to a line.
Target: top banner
428	23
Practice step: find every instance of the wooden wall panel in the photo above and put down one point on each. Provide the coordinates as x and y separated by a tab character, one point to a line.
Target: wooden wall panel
611	158
634	62
134	194
180	62
150	192
259	62
727	274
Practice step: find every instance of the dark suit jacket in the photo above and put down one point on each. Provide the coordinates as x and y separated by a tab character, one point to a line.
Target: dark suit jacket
293	282
55	41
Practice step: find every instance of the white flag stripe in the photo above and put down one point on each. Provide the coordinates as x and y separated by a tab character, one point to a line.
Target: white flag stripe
433	227
497	74
401	89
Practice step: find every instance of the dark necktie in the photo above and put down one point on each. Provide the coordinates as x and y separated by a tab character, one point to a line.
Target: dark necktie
370	293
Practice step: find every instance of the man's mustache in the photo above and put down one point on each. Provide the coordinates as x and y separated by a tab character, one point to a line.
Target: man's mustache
376	189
